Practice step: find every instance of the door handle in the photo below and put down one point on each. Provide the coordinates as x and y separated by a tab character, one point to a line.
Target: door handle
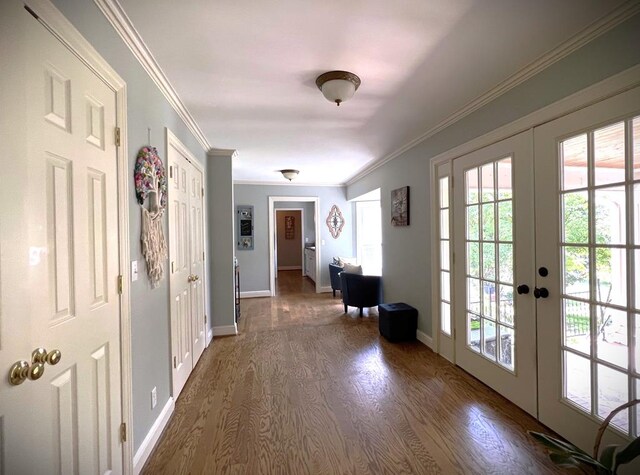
523	289
193	278
21	370
540	293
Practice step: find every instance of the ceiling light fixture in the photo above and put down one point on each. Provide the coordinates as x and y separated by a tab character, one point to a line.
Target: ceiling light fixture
289	174
338	86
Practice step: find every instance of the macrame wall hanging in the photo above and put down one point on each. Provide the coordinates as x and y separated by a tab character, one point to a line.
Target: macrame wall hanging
151	183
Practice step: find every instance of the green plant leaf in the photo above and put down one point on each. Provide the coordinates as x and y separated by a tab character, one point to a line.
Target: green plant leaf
627	454
556	444
563	460
607	456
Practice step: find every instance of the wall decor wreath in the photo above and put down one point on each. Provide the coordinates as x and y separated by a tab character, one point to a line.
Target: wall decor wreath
151	183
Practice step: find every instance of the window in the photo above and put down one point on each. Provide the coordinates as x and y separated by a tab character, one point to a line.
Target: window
445	265
369	236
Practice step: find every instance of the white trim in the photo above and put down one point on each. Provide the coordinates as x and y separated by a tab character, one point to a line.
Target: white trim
223	152
150	441
325	289
116	15
272	240
269	183
225	330
425	339
609	87
65	32
289	267
209	336
255	294
615	17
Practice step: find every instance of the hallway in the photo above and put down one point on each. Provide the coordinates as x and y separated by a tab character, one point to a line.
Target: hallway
305	388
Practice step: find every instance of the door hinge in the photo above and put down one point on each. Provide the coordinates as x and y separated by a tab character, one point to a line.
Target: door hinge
453	258
172	267
170	172
205	319
203	192
203	255
175	362
120	284
123	432
117	136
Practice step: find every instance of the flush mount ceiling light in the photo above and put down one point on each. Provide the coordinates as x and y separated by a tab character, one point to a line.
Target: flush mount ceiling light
289	174
338	86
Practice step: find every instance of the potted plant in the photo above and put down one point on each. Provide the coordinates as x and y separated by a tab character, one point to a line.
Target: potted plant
606	462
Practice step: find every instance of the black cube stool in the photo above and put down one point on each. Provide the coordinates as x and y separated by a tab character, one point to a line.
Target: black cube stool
397	321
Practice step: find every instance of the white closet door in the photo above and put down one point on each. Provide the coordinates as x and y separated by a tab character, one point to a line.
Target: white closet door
59	260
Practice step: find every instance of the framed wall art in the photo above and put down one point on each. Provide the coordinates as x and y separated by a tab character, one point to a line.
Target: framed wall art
335	221
400	206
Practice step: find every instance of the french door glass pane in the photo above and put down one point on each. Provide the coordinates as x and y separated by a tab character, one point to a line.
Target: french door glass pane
612	392
575	217
445	261
577	378
609	154
444	255
598	319
636	148
574	162
444	192
612	343
445	316
577	326
489	236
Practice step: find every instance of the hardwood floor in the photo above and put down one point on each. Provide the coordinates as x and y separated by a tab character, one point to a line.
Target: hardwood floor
306	389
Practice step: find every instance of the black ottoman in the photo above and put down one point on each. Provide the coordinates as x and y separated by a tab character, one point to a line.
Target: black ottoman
397	321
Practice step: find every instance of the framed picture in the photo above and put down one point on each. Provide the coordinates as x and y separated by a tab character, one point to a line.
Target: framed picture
289	227
400	206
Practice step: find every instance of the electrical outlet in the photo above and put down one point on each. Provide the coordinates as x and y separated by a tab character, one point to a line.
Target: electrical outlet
154	398
306	239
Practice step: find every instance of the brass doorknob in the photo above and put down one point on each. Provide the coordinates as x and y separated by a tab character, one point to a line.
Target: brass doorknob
21	371
40	355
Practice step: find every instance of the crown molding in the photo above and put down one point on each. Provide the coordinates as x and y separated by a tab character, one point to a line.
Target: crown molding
116	15
599	27
223	152
269	183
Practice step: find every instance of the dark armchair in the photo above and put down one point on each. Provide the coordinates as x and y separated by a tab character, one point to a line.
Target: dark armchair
334	272
360	290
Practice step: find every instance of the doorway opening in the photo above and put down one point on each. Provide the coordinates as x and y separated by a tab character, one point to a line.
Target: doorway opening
283	252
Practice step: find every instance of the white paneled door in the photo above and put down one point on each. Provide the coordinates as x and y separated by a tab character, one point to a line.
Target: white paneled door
186	256
493	264
59	259
588	241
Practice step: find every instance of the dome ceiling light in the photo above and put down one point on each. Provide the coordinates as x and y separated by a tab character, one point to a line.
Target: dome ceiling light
289	174
338	86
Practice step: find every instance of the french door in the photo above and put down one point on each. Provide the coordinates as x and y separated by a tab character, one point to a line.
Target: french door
588	241
493	247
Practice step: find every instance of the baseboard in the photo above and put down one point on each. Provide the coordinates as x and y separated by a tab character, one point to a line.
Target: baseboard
289	267
424	339
209	336
225	330
255	294
150	441
326	289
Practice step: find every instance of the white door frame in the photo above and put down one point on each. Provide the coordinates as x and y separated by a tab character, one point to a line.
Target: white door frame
275	233
173	141
272	228
64	31
597	92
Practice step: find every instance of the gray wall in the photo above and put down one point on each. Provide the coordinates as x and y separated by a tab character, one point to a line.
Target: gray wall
254	265
220	227
406	251
146	107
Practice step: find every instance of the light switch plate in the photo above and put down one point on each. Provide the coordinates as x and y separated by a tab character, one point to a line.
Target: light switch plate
134	271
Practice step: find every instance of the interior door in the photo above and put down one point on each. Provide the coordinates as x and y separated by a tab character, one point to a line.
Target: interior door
588	239
59	260
186	255
493	242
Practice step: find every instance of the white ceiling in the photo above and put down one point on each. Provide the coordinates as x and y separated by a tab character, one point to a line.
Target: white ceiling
246	70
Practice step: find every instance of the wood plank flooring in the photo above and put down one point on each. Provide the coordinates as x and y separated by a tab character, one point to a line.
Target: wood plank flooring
306	389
